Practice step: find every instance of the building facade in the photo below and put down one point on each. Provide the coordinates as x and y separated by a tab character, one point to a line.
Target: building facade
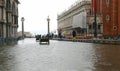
110	11
75	18
8	19
91	27
26	35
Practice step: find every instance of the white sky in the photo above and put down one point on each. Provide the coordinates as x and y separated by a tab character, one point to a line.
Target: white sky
36	12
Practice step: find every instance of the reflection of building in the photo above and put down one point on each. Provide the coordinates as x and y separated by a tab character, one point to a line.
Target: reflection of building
8	18
75	18
110	11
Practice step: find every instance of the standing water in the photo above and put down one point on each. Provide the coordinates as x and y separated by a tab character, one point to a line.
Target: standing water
29	55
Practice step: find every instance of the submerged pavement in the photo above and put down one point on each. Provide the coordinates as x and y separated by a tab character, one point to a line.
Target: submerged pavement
29	55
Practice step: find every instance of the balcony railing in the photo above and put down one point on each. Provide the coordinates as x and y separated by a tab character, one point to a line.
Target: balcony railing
2	20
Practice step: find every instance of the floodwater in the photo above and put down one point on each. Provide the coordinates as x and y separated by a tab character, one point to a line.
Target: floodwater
29	55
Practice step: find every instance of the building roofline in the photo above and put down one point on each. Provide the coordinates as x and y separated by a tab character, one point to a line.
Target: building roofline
74	6
17	1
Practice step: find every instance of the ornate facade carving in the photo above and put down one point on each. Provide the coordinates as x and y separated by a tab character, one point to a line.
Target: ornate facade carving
8	18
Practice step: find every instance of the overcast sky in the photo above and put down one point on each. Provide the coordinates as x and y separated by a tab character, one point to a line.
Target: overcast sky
36	12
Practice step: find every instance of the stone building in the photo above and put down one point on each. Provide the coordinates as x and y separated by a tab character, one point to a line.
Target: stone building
76	18
91	28
8	19
110	11
26	34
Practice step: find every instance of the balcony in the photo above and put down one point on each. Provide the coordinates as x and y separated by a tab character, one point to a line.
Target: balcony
14	25
2	20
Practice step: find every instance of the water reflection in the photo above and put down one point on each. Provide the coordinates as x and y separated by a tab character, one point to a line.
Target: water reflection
108	58
59	56
6	59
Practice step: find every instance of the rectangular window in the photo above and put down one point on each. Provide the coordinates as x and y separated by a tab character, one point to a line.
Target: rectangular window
99	27
90	27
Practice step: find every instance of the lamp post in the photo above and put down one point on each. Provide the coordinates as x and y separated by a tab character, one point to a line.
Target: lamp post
48	19
22	19
95	16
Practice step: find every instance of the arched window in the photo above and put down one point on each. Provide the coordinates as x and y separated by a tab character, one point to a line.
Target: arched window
107	2
13	8
8	5
107	17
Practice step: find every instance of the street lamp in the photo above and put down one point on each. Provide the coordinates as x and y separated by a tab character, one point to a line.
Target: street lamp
22	19
48	19
95	17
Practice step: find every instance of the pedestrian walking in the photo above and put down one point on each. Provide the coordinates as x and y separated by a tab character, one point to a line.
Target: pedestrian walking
74	35
60	35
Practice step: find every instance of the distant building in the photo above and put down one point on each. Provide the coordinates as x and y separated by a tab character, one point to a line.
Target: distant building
75	18
110	12
8	18
91	21
26	34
